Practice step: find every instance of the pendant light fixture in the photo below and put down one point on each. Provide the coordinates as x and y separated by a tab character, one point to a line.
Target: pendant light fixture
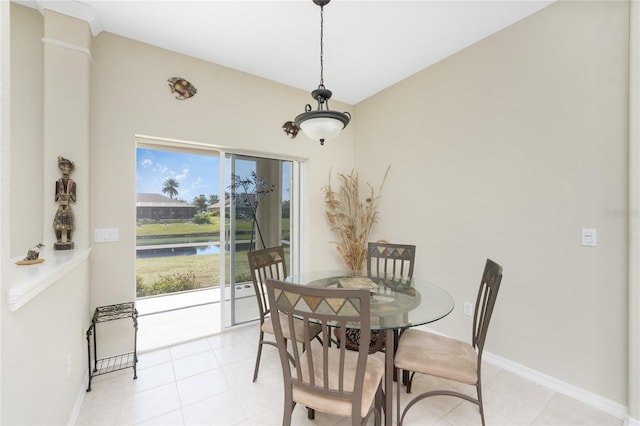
322	124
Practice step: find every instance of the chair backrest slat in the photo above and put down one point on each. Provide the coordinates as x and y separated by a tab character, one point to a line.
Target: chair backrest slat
485	302
391	260
266	264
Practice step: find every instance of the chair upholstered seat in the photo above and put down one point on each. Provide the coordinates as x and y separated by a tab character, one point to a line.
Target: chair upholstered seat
340	406
436	355
314	329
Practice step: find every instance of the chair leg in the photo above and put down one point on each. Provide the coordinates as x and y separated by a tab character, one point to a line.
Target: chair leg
255	371
398	386
395	348
396	339
286	416
378	407
311	413
478	388
410	380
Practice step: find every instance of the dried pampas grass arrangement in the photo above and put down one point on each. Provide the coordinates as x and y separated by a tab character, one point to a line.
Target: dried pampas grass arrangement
352	218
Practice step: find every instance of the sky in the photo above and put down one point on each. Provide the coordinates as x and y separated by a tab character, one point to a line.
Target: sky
196	174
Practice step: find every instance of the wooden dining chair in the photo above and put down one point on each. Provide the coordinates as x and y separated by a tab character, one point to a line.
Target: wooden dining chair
428	353
326	378
267	264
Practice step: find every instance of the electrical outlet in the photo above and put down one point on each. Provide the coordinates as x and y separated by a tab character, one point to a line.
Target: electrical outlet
468	308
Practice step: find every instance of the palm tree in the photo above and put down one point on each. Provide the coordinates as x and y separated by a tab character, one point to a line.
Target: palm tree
170	185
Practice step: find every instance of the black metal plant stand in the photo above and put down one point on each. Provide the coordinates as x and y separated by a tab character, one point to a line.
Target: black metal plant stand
116	362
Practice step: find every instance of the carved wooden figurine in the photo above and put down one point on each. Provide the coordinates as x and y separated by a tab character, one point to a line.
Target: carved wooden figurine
64	220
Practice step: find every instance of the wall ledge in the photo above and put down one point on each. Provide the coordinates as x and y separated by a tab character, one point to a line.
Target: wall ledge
27	281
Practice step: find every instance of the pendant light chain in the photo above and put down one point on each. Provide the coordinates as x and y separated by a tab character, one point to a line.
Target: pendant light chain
321	46
321	124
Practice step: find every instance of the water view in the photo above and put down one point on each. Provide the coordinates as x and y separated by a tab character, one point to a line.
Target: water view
190	250
177	251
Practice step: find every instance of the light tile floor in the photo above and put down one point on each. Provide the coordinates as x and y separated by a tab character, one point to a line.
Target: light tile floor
202	318
208	381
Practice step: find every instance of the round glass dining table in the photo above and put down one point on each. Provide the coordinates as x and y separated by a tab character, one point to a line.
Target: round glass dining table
395	305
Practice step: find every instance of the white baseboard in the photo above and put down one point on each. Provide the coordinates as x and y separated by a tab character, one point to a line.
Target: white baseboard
608	406
594	400
73	418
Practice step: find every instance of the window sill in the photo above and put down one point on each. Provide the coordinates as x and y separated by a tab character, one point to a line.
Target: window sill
27	281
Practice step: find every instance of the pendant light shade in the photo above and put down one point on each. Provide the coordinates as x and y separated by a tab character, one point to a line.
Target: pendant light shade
322	124
322	127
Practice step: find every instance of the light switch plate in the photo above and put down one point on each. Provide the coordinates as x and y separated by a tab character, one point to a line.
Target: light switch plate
105	235
589	237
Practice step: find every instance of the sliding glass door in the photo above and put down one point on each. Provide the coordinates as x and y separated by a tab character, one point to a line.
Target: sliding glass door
259	217
198	212
177	228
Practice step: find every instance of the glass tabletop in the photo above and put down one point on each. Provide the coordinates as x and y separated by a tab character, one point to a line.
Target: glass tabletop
394	303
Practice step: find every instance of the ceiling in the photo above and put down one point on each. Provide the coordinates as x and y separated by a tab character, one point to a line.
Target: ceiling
368	44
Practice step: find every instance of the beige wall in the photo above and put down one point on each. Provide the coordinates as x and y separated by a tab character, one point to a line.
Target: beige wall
43	346
634	206
67	76
27	130
5	39
37	342
506	150
130	96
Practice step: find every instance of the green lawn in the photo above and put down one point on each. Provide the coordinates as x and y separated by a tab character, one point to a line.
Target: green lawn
151	229
179	233
184	228
205	268
166	274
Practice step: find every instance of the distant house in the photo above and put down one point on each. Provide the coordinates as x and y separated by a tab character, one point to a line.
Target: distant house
159	207
214	209
241	201
244	200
